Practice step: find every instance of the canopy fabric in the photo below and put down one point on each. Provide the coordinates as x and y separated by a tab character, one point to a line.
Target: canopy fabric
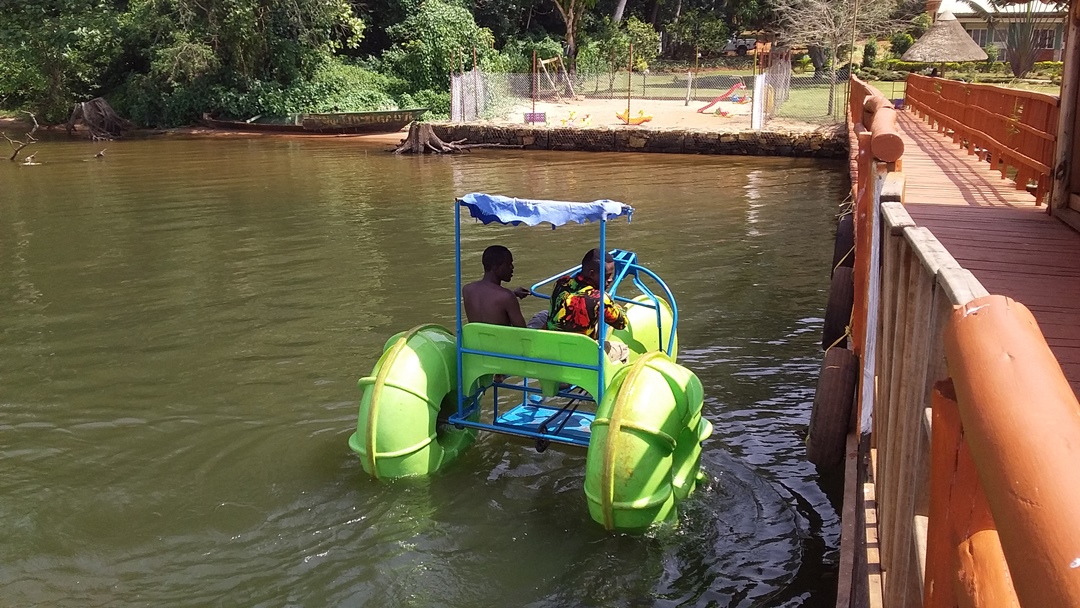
506	210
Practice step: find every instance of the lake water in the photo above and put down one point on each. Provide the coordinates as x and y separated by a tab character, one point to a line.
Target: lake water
184	321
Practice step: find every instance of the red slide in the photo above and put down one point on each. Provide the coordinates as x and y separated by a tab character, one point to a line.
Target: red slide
737	85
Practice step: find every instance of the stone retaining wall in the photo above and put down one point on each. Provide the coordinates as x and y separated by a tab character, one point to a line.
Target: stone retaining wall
827	142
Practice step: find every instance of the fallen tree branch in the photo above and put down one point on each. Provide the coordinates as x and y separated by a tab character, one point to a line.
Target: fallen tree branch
22	144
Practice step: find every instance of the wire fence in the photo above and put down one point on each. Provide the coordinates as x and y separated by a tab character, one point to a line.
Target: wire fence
772	98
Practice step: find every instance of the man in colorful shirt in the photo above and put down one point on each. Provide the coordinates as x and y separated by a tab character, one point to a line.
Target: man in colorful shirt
575	303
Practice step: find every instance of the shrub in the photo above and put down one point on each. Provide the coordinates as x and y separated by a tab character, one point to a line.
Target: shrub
869	53
517	55
437	103
432	42
1049	68
334	86
900	43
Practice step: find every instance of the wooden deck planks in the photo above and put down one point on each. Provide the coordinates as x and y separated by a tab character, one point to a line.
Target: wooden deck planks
998	233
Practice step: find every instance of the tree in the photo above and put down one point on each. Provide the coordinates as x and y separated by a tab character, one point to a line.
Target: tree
1026	29
55	52
572	12
433	42
869	53
701	31
619	8
900	43
828	24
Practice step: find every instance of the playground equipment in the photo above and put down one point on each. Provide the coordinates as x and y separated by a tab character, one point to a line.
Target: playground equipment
642	117
641	421
560	70
722	97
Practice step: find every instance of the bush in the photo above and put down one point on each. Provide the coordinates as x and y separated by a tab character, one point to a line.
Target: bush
430	45
900	43
335	86
1049	68
437	103
517	55
869	53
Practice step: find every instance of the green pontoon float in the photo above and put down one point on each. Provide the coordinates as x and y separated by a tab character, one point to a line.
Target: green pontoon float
421	405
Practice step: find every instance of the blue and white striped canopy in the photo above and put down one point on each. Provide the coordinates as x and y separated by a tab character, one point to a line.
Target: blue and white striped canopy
490	208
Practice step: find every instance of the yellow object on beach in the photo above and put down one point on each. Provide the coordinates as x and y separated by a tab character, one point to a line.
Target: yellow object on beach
636	120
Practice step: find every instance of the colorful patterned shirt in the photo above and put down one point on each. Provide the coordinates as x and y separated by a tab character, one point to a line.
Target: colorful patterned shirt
575	307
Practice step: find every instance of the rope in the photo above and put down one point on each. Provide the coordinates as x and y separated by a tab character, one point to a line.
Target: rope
847	332
838	264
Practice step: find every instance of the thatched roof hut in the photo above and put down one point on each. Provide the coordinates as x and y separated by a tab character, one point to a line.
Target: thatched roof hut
946	40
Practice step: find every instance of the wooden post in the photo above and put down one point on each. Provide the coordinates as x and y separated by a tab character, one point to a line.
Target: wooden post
938	590
1070	85
999	362
461	63
629	84
864	203
476	85
532	83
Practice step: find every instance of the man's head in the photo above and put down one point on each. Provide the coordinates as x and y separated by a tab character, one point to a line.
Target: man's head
498	260
590	268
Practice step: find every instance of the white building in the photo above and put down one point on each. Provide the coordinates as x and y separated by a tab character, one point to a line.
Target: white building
1049	18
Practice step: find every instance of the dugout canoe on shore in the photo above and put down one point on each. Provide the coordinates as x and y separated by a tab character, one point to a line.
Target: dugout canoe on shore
388	121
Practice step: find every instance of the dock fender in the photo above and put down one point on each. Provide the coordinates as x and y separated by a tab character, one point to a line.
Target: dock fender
833	404
838	309
844	245
411	388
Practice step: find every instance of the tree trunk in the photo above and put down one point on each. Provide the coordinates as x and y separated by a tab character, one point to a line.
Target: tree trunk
817	57
100	119
619	8
422	139
571	45
832	78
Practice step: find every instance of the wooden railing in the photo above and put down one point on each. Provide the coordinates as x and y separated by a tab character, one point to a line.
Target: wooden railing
1015	129
972	495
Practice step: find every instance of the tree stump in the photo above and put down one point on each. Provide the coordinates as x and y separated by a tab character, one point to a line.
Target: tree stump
422	139
100	119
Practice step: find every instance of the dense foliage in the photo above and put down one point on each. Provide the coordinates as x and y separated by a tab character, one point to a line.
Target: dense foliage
167	62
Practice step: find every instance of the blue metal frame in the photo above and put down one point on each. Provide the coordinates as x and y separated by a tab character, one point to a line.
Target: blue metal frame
625	264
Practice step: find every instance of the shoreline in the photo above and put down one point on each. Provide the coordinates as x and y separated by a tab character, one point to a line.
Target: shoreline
821	142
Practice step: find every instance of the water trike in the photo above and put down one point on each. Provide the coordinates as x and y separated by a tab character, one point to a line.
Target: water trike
640	421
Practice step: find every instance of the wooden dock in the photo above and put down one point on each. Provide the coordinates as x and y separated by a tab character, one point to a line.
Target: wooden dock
1012	246
964	319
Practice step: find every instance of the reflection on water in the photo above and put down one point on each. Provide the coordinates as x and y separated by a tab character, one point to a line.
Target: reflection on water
185	320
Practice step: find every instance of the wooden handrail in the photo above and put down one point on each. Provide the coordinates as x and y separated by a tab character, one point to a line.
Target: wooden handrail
875	112
1021	421
1013	128
978	507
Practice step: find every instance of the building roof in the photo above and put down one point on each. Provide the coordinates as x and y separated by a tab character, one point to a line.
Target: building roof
961	8
946	40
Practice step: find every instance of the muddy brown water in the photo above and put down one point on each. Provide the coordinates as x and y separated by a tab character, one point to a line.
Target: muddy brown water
184	322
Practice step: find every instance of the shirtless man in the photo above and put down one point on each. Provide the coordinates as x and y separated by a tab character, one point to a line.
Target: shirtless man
486	300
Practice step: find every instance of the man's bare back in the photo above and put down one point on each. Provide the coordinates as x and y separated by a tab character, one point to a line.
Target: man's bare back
486	300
